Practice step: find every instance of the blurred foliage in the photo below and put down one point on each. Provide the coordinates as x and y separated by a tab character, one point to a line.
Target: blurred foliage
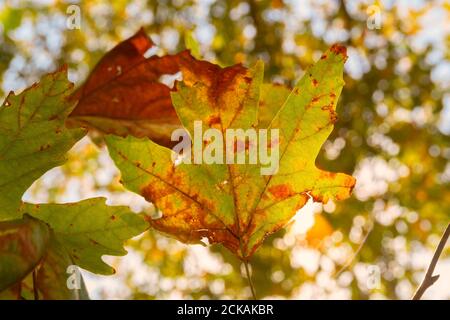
392	134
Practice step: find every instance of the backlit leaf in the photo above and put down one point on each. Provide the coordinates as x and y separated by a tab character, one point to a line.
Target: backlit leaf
90	229
53	276
125	95
22	246
234	204
33	138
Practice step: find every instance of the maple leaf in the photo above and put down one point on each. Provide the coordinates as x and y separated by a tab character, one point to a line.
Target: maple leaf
90	229
52	275
33	137
29	244
124	95
271	99
234	204
52	237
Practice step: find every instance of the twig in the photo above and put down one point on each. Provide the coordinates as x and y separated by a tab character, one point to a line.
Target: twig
249	278
350	261
429	279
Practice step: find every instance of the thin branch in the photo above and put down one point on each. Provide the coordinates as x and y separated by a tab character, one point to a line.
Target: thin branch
429	279
249	278
350	261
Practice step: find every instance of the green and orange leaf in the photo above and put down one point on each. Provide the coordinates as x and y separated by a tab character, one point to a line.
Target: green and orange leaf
234	204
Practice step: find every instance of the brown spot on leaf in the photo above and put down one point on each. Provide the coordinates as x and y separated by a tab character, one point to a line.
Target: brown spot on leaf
333	116
44	147
153	193
331	112
212	120
281	191
327	175
339	50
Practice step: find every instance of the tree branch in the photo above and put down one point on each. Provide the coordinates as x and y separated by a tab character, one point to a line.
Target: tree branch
353	257
429	279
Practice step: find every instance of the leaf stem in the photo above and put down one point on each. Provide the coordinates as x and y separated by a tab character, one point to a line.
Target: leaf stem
249	278
429	279
35	289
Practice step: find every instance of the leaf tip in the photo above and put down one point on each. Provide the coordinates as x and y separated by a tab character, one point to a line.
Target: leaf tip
338	49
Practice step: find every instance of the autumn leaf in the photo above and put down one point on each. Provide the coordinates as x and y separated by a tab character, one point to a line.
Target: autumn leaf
33	137
271	100
124	95
90	229
234	204
12	293
52	237
23	243
53	276
49	237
